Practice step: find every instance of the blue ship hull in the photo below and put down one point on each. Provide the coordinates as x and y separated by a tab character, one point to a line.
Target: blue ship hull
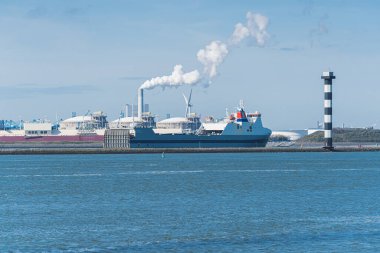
146	138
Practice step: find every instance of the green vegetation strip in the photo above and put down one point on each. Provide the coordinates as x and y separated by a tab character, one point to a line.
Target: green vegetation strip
358	135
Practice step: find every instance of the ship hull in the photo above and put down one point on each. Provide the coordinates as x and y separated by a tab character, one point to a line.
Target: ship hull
199	143
147	139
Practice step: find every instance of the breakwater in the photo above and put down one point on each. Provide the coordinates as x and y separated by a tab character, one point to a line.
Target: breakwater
46	151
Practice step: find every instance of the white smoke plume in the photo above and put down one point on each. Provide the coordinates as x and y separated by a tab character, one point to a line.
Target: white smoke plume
214	54
177	78
211	56
241	32
256	27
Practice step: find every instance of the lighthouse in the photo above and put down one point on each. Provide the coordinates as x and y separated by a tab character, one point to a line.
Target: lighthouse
328	77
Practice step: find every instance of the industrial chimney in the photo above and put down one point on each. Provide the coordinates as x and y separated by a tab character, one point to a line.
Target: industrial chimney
328	77
140	103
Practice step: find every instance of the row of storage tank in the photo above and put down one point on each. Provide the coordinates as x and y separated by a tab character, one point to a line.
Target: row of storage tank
98	120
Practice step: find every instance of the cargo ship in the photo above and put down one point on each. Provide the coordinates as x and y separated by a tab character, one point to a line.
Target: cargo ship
237	131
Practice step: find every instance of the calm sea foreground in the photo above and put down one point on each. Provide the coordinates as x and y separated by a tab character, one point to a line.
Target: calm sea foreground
255	202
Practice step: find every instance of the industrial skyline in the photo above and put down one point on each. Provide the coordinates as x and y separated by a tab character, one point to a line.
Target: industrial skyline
63	56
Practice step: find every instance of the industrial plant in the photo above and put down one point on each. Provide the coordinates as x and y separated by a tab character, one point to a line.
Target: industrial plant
238	129
137	128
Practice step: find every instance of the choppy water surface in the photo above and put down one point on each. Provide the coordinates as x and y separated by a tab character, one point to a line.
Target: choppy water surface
293	202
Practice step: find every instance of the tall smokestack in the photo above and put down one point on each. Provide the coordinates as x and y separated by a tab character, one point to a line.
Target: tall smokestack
140	103
328	77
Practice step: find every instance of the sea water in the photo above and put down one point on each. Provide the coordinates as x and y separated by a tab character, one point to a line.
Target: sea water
256	202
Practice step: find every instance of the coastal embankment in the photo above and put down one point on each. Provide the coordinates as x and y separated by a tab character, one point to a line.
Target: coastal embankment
96	150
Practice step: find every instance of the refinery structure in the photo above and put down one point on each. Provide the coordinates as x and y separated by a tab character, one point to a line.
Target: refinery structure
85	128
139	126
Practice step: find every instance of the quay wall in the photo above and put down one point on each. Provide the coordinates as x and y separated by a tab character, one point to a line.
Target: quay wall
46	151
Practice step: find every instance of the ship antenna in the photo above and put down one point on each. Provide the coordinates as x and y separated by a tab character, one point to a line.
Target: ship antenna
241	104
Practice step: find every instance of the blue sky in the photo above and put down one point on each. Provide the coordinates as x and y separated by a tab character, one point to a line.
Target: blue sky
57	57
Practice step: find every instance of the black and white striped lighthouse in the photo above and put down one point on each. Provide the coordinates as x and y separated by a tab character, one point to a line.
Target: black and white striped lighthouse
328	77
